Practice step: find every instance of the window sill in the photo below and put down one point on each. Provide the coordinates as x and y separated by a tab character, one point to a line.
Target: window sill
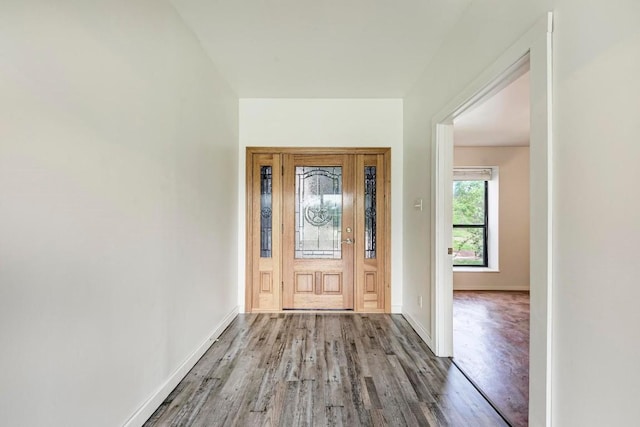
475	270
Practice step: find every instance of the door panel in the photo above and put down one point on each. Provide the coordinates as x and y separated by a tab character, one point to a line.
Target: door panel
371	248
318	209
266	218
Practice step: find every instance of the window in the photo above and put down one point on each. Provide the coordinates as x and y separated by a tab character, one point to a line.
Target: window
471	217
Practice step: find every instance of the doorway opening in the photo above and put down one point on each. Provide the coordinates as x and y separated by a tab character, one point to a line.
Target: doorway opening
491	271
318	229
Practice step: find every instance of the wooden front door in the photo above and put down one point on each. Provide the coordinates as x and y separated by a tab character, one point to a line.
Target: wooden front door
318	226
318	218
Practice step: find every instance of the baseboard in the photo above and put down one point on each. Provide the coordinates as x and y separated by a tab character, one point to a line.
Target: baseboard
155	400
490	288
420	330
396	309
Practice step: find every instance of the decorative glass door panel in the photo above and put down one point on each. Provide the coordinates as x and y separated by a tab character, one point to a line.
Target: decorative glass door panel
370	211
266	220
318	212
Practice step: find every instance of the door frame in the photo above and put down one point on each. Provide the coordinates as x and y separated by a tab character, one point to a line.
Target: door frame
536	45
249	240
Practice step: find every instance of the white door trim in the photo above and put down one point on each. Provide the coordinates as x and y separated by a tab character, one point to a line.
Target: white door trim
442	224
535	50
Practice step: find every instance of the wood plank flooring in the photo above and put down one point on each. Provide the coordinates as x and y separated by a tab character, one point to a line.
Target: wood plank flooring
491	345
323	369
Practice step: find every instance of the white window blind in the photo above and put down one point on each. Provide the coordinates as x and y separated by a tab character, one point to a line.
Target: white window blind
472	174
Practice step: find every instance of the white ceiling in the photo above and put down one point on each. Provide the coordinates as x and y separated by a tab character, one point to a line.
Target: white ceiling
502	120
321	48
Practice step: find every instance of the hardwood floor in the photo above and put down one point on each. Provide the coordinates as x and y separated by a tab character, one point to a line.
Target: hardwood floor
491	345
323	369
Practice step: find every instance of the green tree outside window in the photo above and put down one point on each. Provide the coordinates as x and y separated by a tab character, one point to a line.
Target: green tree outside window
469	223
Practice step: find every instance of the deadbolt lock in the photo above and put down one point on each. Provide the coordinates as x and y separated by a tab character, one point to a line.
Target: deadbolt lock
450	251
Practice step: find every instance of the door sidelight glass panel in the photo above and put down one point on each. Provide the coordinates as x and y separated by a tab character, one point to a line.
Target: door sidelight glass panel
266	225
369	212
318	212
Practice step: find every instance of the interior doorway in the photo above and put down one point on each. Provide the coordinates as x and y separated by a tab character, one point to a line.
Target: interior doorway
318	225
491	271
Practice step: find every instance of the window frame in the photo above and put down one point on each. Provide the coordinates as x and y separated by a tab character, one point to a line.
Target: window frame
485	227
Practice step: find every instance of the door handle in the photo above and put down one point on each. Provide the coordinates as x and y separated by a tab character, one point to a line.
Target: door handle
349	241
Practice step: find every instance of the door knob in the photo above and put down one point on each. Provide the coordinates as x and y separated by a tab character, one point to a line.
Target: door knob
349	241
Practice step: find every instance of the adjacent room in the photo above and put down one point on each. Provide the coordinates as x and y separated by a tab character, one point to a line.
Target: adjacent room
491	246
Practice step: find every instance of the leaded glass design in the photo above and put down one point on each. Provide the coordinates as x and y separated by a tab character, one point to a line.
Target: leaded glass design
266	225
318	212
370	212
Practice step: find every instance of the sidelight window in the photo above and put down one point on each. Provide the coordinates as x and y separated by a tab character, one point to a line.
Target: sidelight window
266	221
370	223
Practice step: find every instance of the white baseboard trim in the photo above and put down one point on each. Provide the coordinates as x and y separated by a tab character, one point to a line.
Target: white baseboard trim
396	309
241	309
490	288
420	330
155	400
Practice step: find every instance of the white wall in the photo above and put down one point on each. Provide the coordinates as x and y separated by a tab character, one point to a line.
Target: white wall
513	218
117	227
327	123
597	220
596	344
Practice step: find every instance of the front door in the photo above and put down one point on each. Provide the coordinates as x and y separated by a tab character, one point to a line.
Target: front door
318	229
318	233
